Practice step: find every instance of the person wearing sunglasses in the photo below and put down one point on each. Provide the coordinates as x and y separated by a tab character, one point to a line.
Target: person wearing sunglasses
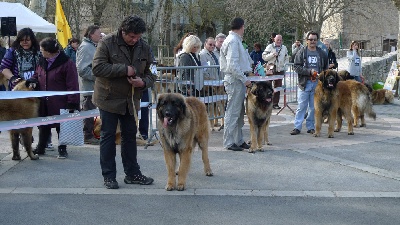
309	61
207	57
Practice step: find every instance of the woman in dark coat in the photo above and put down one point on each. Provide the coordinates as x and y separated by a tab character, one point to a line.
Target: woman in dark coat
55	72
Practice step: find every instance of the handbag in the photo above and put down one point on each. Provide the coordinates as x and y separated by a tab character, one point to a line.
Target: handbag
71	132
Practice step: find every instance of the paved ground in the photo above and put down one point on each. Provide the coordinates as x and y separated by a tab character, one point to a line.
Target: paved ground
298	180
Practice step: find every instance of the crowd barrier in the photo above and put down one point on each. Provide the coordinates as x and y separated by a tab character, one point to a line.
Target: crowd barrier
202	82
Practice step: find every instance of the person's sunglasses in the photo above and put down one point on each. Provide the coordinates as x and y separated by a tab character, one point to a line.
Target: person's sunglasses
312	39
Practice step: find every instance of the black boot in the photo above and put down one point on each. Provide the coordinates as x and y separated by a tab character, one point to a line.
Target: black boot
44	133
62	152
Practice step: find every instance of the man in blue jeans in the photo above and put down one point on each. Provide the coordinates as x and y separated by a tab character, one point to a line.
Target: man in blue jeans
309	61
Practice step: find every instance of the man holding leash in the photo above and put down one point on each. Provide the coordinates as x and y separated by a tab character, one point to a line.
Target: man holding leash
121	66
234	61
309	61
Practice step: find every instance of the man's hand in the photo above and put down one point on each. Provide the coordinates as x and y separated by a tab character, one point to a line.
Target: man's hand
247	83
136	81
131	71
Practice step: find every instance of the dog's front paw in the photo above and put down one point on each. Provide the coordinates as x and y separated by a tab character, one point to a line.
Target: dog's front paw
350	133
209	173
169	187
181	187
16	157
269	143
337	130
317	134
261	149
330	136
252	150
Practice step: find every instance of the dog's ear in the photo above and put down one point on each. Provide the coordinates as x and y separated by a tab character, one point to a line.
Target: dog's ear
182	105
321	76
254	89
337	77
160	100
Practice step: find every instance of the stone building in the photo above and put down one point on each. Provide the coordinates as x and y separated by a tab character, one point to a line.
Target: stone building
375	26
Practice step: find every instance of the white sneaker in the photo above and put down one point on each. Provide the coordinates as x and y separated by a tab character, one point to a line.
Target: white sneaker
49	147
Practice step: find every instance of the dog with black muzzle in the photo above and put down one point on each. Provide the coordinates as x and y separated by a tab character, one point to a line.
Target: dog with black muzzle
258	111
182	122
333	99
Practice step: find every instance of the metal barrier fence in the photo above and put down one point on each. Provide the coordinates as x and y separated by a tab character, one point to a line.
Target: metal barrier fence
206	83
203	82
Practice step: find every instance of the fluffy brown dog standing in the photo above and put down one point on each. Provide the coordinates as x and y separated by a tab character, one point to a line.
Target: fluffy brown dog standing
16	109
361	102
258	111
332	97
182	123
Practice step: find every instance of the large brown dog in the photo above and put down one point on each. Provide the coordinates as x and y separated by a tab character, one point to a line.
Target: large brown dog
361	102
16	109
182	123
258	111
331	96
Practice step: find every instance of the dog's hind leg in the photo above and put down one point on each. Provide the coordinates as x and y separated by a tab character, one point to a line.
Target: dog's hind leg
203	145
357	114
26	137
339	120
170	161
185	157
14	137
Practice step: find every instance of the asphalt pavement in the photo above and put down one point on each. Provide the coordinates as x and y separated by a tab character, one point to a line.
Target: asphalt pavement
301	179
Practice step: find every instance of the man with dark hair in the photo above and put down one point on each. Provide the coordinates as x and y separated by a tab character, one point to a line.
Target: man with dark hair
309	61
295	48
235	61
121	67
84	57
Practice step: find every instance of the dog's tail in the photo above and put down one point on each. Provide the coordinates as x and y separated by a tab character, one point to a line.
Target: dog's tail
368	108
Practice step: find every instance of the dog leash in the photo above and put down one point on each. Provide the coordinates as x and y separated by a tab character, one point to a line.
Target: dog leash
134	109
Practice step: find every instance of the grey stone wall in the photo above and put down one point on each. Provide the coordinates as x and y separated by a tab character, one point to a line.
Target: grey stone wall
377	69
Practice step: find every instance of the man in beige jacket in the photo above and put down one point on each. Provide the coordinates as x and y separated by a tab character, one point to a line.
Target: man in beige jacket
276	53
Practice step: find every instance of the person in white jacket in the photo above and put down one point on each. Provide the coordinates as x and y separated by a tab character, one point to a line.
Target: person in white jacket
276	53
234	62
355	67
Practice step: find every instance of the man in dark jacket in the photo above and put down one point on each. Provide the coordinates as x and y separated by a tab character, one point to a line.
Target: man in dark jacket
309	61
121	67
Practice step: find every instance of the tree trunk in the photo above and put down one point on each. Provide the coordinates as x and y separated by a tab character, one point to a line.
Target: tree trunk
39	7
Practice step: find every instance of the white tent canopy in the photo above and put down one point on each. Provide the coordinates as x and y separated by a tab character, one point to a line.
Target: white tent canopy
26	18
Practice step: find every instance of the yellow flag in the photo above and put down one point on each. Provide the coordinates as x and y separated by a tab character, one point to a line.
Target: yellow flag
63	29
